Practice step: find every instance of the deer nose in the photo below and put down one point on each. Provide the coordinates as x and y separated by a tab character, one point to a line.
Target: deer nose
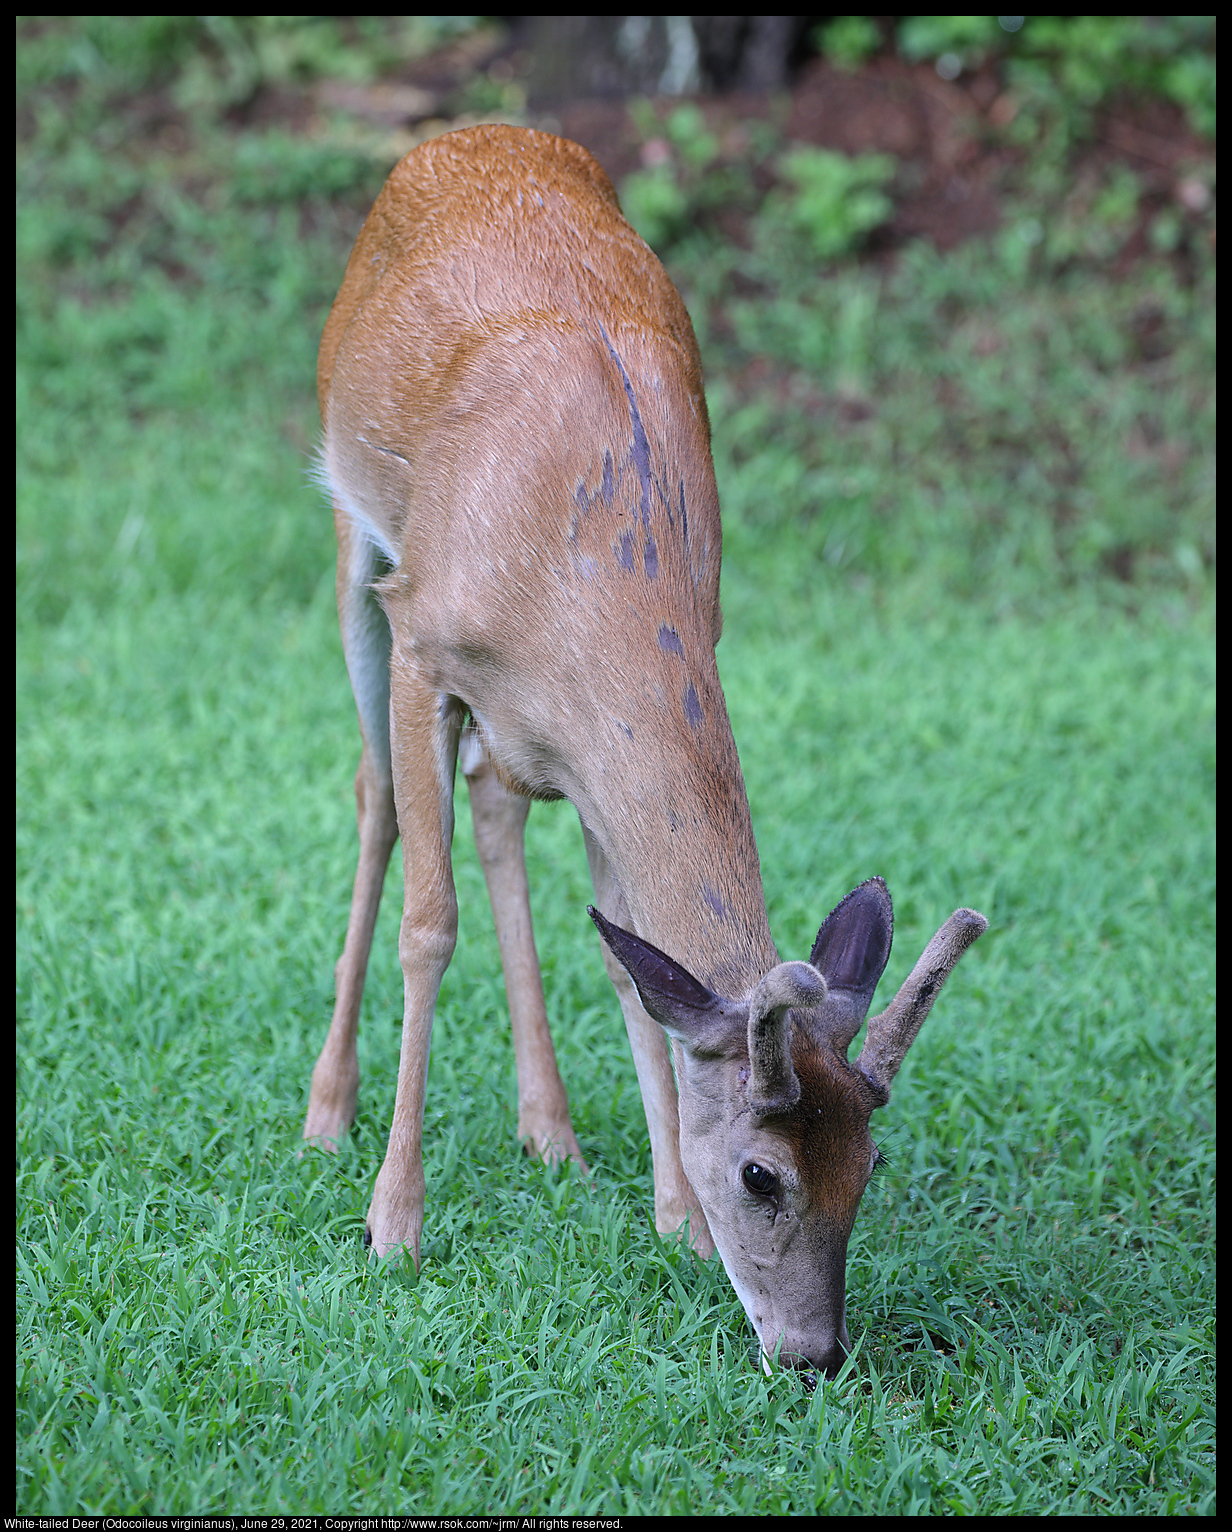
811	1361
831	1361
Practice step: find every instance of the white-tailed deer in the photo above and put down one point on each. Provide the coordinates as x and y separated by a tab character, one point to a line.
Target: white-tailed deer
518	451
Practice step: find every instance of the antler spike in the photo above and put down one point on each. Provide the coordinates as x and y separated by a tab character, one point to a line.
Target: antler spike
773	1084
894	1030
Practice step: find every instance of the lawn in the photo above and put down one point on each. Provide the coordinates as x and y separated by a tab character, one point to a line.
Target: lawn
968	646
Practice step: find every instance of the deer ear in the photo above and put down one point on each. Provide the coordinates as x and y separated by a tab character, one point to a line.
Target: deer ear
851	951
853	946
681	1004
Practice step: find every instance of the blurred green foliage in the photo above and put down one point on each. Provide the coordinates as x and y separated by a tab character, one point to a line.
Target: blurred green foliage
849	40
825	203
1005	418
832	200
1009	417
1062	66
215	62
687	174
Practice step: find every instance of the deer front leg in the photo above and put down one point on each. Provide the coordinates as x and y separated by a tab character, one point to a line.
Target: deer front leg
675	1199
424	737
544	1125
335	1079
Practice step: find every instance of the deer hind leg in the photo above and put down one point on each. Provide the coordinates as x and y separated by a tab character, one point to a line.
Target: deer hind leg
544	1125
365	640
675	1199
425	726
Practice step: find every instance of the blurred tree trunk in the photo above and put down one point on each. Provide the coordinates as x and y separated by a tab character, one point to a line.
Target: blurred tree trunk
581	56
749	52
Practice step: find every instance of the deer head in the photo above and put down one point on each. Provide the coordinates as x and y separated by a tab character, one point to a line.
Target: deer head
774	1121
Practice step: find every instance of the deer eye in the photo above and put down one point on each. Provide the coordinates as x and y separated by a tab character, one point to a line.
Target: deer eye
760	1181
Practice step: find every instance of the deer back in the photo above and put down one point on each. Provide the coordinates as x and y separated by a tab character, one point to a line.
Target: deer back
514	415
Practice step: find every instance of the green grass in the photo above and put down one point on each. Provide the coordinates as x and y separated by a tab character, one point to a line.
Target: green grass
1031	1279
934	673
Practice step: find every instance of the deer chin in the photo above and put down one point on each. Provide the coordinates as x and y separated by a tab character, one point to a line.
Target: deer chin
780	1341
